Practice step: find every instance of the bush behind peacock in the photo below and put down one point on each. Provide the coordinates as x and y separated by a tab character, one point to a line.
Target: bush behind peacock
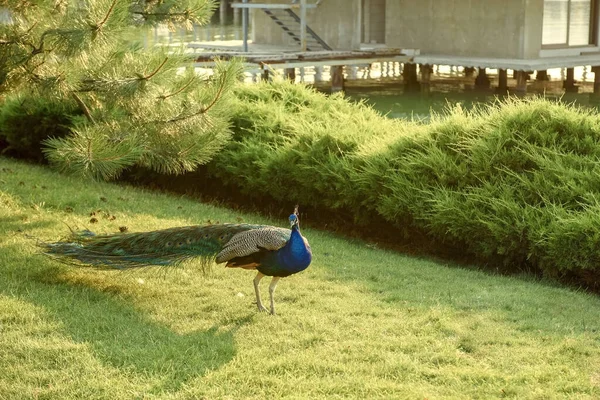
515	183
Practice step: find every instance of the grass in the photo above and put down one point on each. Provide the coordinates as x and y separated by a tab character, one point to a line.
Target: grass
359	323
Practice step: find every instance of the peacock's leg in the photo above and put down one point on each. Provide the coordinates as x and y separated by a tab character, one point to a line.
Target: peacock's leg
256	281
272	287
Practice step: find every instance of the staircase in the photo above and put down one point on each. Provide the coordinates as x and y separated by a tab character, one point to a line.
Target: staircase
289	21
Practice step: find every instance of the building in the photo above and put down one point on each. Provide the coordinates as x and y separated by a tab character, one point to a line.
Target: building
519	35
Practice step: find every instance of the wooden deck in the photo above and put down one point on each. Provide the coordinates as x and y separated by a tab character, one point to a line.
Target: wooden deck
264	59
510	63
290	57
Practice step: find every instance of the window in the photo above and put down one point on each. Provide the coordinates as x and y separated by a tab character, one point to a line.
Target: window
568	23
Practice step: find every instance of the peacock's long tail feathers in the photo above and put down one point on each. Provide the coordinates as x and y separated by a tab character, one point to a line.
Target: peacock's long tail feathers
130	250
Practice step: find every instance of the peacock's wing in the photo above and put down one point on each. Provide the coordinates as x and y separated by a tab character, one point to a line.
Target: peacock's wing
251	241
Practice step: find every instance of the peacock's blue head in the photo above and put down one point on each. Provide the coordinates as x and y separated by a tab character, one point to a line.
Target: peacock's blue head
293	220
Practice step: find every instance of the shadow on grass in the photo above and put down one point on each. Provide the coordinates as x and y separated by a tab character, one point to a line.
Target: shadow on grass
118	334
17	224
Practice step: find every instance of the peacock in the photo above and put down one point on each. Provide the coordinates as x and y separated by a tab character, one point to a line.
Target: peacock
272	251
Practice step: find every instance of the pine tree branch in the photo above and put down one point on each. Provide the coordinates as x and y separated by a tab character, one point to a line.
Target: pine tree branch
185	13
219	91
163	14
90	83
5	42
31	71
188	83
204	110
83	107
19	41
58	32
147	77
110	11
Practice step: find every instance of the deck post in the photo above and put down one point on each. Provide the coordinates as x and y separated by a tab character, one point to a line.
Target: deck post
409	77
521	76
290	74
352	72
502	81
337	78
425	70
318	74
223	12
596	71
569	83
482	81
542	75
245	26
469	71
303	24
265	76
236	17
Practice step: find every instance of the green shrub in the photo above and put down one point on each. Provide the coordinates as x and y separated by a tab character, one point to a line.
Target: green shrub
292	143
27	120
514	183
495	185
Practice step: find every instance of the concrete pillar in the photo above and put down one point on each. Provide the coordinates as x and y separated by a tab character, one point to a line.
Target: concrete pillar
522	77
426	71
502	81
596	94
542	75
569	83
515	73
352	72
482	81
303	36
223	12
236	16
290	74
409	77
337	78
265	76
318	74
245	22
469	72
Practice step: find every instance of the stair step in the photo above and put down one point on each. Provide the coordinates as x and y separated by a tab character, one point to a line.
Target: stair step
289	23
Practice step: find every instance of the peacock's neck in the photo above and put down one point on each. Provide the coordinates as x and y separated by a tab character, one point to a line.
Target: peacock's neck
296	242
296	254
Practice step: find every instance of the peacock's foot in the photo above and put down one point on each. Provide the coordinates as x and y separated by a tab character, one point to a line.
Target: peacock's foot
273	311
262	308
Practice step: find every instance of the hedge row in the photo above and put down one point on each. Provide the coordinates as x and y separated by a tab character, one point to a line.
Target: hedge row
27	120
516	182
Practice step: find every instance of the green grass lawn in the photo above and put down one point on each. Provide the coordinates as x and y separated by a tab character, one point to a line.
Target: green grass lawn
359	323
